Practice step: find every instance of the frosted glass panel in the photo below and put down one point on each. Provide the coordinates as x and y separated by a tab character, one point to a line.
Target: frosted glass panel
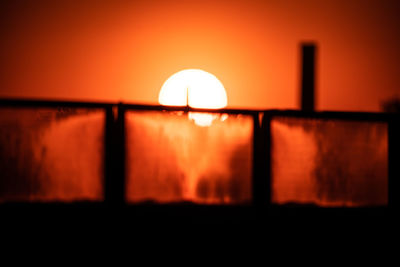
171	159
50	154
329	162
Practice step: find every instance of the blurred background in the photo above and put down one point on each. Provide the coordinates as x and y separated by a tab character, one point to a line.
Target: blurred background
125	50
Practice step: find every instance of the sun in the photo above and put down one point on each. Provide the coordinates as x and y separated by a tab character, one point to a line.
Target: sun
197	89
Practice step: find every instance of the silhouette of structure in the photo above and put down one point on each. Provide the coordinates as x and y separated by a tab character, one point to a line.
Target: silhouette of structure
308	56
115	146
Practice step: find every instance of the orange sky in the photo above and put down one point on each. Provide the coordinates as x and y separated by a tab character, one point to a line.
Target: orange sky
124	50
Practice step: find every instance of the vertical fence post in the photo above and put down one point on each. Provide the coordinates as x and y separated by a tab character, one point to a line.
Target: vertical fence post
393	158
115	155
267	156
261	181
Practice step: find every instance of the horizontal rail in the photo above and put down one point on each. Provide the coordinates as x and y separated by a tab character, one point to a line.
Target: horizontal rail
341	115
52	103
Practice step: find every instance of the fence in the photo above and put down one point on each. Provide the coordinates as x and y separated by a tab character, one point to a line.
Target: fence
123	155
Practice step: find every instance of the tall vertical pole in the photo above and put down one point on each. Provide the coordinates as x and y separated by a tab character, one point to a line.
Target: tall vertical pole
308	51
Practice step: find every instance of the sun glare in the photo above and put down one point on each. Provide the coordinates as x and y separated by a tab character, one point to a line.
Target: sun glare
197	89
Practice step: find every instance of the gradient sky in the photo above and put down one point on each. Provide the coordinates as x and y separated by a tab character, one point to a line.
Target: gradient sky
125	50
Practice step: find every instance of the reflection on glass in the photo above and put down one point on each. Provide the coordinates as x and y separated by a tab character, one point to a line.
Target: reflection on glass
329	162
171	159
50	154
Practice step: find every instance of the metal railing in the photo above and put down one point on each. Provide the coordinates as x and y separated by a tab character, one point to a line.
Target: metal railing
115	142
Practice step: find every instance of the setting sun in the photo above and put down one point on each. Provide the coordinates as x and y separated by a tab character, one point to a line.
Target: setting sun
197	89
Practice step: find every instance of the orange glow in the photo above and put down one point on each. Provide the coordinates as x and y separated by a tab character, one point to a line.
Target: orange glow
50	155
124	50
172	160
197	89
323	163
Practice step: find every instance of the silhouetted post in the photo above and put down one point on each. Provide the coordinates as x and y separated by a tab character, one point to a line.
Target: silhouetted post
262	160
394	159
308	77
115	155
261	178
